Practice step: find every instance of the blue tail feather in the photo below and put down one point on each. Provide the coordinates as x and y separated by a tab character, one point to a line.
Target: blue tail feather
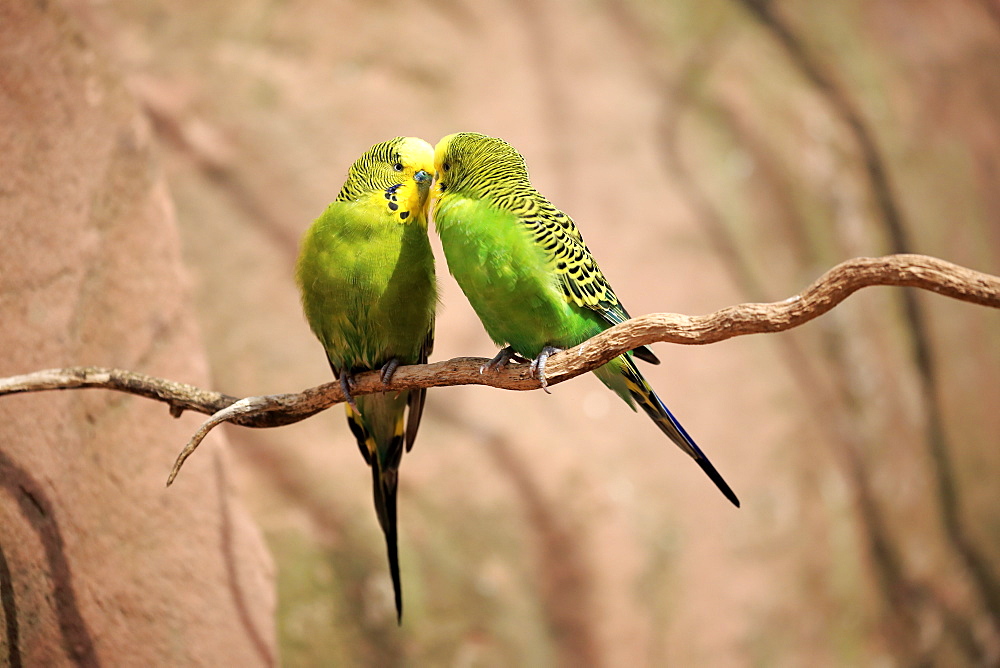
644	395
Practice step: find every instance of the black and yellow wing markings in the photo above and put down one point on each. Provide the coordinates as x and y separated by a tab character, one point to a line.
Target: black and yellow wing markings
415	402
581	279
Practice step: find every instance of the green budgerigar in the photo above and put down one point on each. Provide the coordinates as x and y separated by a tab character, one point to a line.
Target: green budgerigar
366	274
528	274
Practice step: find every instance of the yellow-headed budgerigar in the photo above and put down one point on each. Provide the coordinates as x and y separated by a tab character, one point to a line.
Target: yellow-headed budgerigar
525	269
366	274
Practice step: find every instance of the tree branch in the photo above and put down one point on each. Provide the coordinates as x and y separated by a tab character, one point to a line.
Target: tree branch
276	410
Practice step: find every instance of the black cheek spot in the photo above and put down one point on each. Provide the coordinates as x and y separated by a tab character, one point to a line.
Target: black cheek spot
403	215
393	206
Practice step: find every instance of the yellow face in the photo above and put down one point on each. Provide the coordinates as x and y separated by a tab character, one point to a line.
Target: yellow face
415	155
396	174
417	160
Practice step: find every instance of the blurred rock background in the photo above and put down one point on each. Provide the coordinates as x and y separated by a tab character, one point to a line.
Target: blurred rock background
712	153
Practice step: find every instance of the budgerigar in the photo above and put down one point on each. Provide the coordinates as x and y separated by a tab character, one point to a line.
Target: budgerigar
528	274
366	274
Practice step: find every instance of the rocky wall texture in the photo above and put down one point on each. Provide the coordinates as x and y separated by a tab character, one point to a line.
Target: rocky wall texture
100	564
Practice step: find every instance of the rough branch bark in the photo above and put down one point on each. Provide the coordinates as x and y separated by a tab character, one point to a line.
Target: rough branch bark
833	287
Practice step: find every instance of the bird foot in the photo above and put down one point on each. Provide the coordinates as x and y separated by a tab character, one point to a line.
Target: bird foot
345	386
537	369
502	359
388	369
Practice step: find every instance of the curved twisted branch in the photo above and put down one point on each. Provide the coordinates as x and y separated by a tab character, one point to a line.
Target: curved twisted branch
833	287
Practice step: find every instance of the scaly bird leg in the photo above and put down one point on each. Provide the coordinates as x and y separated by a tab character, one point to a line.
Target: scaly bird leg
502	359
388	369
345	386
537	369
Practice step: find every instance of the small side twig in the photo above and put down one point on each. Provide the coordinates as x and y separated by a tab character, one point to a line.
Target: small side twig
241	407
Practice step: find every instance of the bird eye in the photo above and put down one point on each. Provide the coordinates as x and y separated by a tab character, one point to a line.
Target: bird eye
398	166
446	166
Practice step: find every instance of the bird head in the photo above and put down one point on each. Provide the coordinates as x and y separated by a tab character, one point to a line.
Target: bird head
470	160
401	168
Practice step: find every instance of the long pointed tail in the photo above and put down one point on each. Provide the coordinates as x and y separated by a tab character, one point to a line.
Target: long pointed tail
384	492
384	463
669	425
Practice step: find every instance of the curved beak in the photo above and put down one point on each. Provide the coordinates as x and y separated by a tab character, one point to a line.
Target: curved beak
422	177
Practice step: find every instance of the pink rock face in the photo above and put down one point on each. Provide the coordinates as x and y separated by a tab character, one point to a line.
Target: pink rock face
100	564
